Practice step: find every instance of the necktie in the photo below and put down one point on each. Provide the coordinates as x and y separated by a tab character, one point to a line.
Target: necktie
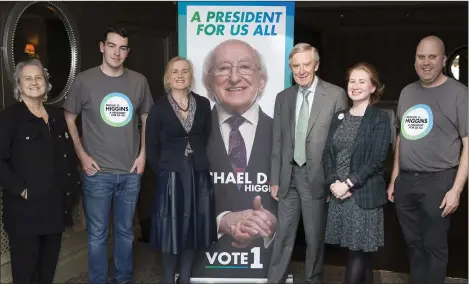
236	146
301	128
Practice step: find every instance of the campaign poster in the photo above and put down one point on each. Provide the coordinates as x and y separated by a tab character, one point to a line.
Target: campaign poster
239	51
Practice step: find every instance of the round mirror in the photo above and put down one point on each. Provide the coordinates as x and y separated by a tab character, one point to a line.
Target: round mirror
456	64
45	31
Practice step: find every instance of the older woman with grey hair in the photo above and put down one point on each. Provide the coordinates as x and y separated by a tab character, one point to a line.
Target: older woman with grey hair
38	174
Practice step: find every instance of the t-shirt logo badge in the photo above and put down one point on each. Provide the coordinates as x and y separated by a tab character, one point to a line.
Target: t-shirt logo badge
417	122
116	109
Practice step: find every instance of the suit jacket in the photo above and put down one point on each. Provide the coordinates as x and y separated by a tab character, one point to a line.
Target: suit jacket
229	198
42	159
328	99
166	138
369	152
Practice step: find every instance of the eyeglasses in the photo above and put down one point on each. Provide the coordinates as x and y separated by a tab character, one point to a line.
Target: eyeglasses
244	68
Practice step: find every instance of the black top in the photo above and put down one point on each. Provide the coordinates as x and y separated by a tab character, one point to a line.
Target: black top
41	158
166	138
368	154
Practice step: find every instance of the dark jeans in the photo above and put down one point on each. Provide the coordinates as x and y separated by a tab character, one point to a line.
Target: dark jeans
100	191
34	258
418	197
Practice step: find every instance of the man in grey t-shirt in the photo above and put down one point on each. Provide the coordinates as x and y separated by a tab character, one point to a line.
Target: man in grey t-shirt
430	170
110	99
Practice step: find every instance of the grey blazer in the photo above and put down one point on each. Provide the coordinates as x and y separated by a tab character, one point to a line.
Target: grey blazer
328	99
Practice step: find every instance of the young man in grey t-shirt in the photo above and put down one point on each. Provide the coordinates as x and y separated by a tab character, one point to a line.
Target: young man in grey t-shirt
430	170
110	98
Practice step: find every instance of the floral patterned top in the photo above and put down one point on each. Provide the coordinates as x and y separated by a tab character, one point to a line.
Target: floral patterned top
186	123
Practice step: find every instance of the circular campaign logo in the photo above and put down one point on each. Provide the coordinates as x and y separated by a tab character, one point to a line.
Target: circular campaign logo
116	109
417	122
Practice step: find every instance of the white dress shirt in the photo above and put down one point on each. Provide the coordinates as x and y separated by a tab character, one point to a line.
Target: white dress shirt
299	99
247	129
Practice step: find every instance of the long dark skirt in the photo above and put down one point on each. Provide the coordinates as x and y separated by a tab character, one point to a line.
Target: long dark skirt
183	215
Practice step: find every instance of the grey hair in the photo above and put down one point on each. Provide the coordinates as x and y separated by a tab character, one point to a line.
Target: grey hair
17	75
303	47
210	59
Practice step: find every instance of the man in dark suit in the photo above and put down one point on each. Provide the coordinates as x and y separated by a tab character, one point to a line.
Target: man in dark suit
240	148
302	118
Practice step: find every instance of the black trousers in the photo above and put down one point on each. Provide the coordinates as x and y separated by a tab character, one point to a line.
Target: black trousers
418	197
34	258
186	261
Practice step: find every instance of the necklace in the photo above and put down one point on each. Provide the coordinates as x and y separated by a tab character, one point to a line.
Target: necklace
179	107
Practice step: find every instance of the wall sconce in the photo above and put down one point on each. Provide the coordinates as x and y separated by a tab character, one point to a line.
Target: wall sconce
29	49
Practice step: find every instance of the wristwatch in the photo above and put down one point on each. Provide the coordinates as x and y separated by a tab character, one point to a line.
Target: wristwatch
349	183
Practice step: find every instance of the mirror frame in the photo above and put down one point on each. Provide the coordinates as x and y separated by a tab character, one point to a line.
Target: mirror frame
450	58
9	38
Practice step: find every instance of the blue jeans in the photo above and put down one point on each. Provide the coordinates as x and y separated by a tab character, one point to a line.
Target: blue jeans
99	192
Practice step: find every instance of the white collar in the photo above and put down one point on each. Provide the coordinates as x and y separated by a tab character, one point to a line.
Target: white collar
251	115
312	87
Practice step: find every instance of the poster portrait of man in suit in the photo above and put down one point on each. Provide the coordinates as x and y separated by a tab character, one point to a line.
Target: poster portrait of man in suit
235	77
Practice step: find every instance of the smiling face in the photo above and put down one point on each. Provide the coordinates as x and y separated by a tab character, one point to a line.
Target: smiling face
303	65
180	75
32	83
359	86
429	61
237	79
114	50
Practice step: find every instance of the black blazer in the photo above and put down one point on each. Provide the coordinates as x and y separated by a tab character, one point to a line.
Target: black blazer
368	156
166	138
41	160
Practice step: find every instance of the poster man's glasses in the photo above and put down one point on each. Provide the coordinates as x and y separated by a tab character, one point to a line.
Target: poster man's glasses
244	68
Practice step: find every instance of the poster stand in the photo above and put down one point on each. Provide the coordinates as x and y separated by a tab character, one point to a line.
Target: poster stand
256	37
233	280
